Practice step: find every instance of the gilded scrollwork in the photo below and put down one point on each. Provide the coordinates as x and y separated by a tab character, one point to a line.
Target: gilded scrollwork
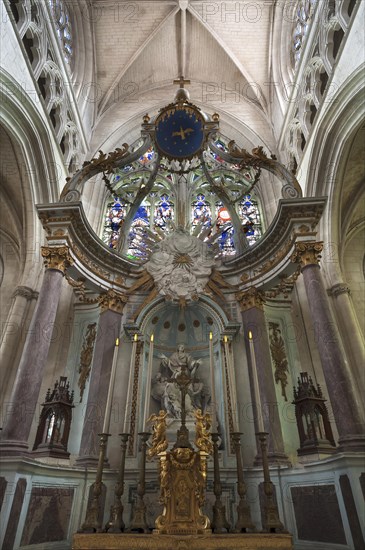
307	253
259	159
278	354
159	439
56	257
250	298
86	356
115	301
203	438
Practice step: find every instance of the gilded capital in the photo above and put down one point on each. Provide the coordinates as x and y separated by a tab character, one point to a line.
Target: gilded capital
56	257
250	298
307	253
115	301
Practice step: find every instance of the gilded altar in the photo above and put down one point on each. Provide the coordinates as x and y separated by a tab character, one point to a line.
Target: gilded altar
182	483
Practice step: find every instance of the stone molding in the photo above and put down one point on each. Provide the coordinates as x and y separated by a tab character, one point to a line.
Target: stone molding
26	292
338	289
56	257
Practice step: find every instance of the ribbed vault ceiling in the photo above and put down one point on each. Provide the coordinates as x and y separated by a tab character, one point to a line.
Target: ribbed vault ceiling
222	47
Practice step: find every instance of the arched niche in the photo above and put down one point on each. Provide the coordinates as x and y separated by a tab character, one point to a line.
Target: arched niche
191	326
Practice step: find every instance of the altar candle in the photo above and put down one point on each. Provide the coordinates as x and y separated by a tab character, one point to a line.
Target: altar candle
232	386
108	407
128	403
212	379
148	384
256	389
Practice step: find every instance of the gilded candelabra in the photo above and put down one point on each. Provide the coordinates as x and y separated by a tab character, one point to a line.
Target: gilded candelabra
116	523
92	523
271	520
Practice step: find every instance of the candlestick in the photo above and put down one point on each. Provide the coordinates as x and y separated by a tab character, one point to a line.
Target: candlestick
92	522
256	389
232	385
108	407
220	522
271	521
128	402
212	379
148	382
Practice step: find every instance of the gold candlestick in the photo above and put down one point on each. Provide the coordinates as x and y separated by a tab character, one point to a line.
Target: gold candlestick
92	523
116	523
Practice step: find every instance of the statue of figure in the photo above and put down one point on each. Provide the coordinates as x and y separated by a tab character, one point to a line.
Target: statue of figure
166	391
159	440
203	438
178	360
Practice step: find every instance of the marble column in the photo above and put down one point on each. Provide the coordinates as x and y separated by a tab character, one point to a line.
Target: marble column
352	338
19	413
253	318
13	331
111	304
335	368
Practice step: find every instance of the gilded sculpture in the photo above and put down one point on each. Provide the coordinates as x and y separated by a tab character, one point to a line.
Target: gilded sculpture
159	439
203	424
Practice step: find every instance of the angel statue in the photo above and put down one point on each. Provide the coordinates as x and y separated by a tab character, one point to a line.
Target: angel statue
203	438
159	440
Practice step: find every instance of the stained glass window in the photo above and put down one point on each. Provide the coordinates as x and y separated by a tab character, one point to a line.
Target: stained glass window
201	211
62	21
250	216
304	13
115	215
147	157
226	239
164	212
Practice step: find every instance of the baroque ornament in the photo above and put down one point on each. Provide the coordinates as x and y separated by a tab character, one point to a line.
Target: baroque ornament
181	266
56	257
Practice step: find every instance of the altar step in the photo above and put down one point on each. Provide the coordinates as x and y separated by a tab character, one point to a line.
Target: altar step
246	541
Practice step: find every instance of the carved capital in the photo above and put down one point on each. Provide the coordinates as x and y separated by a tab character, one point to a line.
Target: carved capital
340	288
250	298
307	253
26	293
56	257
112	300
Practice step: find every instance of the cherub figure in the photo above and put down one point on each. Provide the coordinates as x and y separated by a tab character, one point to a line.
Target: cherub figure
159	440
203	438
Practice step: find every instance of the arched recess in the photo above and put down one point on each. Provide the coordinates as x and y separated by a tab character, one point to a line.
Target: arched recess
29	175
190	326
83	76
326	172
335	170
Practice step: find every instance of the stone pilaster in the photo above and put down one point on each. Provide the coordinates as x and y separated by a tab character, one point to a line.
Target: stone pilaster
19	413
12	334
109	326
335	368
251	303
351	335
